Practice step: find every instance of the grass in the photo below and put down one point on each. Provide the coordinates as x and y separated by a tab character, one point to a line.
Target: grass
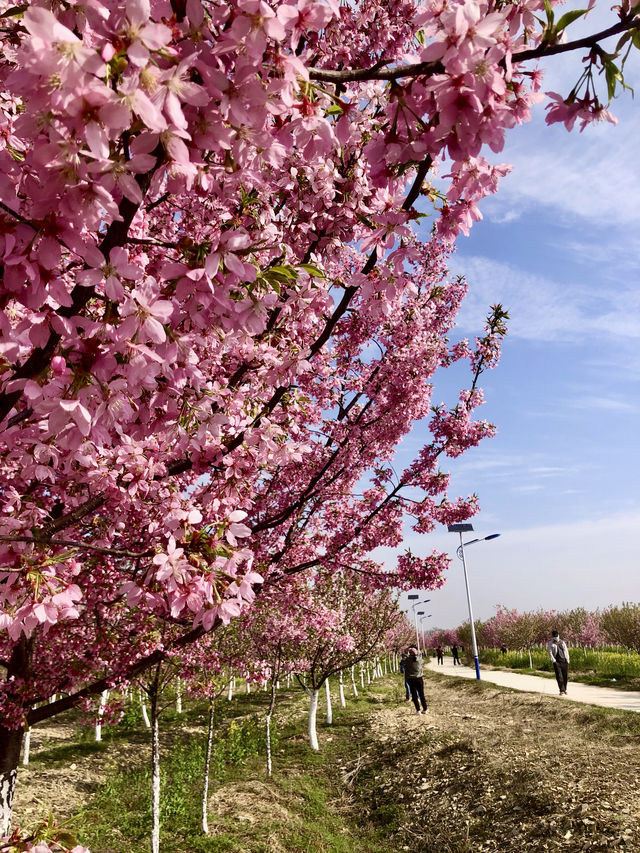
298	809
365	789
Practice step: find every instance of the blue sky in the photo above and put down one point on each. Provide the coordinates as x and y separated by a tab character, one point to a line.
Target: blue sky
559	247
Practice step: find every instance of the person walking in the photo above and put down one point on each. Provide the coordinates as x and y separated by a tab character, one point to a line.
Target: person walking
413	674
559	654
440	653
456	655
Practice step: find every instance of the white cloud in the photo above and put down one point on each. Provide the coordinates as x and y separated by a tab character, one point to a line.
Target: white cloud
591	563
605	403
543	309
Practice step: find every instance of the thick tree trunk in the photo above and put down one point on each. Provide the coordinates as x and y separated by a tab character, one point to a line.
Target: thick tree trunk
19	666
10	744
207	764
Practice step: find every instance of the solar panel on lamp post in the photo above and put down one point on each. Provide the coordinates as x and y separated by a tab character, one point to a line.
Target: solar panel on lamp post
465	528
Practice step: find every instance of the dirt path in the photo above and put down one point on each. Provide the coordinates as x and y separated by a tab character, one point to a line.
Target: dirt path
492	770
605	697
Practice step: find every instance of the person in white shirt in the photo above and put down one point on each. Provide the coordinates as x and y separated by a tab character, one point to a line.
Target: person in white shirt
559	654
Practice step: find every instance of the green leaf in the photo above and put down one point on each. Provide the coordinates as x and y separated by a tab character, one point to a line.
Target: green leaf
284	272
333	110
15	11
311	270
569	18
549	11
613	76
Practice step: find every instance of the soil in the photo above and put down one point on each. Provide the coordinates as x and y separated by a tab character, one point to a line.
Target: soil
489	769
486	769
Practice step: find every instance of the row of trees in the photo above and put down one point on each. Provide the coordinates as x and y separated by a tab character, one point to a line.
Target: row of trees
617	625
334	629
217	318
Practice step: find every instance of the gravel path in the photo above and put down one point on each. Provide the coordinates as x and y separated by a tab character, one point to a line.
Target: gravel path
606	697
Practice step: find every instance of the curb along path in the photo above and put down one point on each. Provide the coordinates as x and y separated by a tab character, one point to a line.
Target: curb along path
606	697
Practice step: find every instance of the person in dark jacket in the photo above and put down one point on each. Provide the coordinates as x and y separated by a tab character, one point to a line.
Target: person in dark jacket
413	674
440	653
403	661
456	655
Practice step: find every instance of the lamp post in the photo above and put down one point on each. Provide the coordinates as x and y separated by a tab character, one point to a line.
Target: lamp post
465	528
415	603
423	616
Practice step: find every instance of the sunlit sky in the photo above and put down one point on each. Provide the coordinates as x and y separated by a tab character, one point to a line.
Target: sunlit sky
559	247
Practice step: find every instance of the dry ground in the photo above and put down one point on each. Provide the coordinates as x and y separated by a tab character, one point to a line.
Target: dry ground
487	769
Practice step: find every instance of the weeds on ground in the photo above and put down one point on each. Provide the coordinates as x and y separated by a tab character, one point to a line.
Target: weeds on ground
299	809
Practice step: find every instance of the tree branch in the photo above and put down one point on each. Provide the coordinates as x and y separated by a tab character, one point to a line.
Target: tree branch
68	543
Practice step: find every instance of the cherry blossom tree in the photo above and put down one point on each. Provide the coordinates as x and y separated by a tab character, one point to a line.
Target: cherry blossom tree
217	318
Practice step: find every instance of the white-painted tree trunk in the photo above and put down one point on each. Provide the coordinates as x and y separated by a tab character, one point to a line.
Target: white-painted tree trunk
368	674
230	693
207	764
530	661
327	693
362	676
145	713
343	703
26	747
104	696
269	717
353	682
155	783
7	790
179	696
248	687
53	698
313	713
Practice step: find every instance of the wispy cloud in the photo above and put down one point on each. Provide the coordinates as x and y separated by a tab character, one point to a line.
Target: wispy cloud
544	309
605	403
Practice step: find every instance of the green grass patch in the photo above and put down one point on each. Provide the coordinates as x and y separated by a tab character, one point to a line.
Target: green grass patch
300	808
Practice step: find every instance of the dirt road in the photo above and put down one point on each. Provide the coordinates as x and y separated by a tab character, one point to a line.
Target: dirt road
605	697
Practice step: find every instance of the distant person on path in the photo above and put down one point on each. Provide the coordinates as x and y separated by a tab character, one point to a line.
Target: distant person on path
403	670
440	653
413	674
456	655
559	654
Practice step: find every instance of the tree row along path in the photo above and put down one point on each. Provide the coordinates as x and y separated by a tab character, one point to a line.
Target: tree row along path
606	697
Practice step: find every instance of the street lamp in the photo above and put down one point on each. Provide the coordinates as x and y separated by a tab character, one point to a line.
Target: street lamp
465	528
422	616
415	604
